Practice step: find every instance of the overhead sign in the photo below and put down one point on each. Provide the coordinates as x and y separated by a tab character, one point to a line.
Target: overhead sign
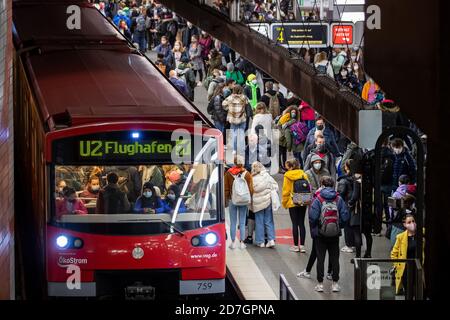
297	35
342	34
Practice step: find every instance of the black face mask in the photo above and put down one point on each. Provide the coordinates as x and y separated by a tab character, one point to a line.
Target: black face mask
320	127
322	148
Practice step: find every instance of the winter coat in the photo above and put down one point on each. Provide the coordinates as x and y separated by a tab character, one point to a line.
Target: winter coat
214	63
288	186
145	203
315	176
235	105
264	119
349	188
112	191
195	54
229	179
206	44
187	35
282	101
180	84
78	207
248	91
186	73
338	61
236	76
306	112
330	162
330	139
216	110
316	207
403	163
212	86
326	67
263	184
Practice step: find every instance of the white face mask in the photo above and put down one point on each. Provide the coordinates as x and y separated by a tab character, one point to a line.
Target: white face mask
344	73
171	196
355	67
95	188
255	81
317	166
411	227
148	194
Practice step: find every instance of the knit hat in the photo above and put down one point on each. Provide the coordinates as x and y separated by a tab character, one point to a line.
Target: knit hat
174	176
251	77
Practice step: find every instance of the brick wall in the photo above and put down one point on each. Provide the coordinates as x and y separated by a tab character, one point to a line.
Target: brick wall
6	155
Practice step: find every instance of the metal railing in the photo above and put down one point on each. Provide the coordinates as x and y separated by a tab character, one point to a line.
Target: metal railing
414	285
286	292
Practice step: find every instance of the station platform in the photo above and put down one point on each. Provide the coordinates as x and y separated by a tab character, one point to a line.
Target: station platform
256	271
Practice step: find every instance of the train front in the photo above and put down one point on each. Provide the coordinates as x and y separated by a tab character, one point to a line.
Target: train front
156	246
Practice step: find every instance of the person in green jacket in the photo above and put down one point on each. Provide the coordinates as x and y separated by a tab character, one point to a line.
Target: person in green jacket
251	90
235	75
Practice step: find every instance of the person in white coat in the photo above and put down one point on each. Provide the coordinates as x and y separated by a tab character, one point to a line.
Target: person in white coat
263	185
262	117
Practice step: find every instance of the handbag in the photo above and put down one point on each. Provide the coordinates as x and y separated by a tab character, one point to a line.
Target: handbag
275	200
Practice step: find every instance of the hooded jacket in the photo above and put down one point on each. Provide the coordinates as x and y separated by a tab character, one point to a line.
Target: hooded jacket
315	176
288	186
109	195
327	194
263	184
327	157
169	205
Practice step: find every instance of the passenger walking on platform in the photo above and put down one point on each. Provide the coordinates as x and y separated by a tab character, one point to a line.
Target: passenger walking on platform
296	212
149	201
251	90
327	132
296	134
307	114
328	213
111	199
317	171
235	104
323	152
213	81
263	188
206	42
403	162
264	118
238	192
195	54
71	204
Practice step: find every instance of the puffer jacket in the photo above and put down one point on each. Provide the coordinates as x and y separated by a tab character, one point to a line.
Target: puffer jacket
263	184
315	176
235	105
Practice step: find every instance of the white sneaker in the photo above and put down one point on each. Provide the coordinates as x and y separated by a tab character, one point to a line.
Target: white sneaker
294	249
304	274
233	244
261	245
330	276
199	84
243	246
347	249
302	249
319	287
335	287
270	244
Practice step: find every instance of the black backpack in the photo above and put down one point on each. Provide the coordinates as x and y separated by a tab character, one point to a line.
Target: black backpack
301	195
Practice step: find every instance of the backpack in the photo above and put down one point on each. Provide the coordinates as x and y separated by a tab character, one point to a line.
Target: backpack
140	24
329	218
274	104
240	193
171	29
207	81
321	69
299	132
301	195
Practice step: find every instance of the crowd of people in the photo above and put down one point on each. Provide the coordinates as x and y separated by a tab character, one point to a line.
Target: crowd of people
322	169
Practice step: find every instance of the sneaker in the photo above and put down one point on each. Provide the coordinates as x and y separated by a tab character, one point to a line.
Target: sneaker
261	245
302	249
304	274
294	249
330	276
270	244
248	240
335	287
233	244
347	249
376	234
199	84
319	287
243	246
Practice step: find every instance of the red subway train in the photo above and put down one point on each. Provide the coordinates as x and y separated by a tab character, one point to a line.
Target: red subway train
87	103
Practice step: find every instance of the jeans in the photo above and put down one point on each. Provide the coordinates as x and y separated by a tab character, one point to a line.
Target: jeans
236	211
264	222
332	246
139	38
298	222
221	127
238	137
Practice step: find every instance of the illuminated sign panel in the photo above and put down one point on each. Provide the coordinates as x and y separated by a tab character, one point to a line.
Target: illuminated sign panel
342	34
297	35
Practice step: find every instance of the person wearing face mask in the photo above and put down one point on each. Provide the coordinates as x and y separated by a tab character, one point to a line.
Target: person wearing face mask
399	214
195	54
338	60
70	204
92	189
327	132
149	202
346	78
323	152
251	90
212	82
403	162
178	53
216	110
317	171
170	202
165	49
187	34
405	248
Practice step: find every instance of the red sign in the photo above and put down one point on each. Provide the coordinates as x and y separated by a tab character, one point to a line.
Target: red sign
342	34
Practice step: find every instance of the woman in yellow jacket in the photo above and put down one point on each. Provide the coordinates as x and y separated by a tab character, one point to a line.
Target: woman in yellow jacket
297	213
404	248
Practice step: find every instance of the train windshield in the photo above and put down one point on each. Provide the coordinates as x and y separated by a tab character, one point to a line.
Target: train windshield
146	197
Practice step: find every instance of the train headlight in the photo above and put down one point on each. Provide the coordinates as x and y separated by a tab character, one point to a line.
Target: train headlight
62	241
195	241
211	238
